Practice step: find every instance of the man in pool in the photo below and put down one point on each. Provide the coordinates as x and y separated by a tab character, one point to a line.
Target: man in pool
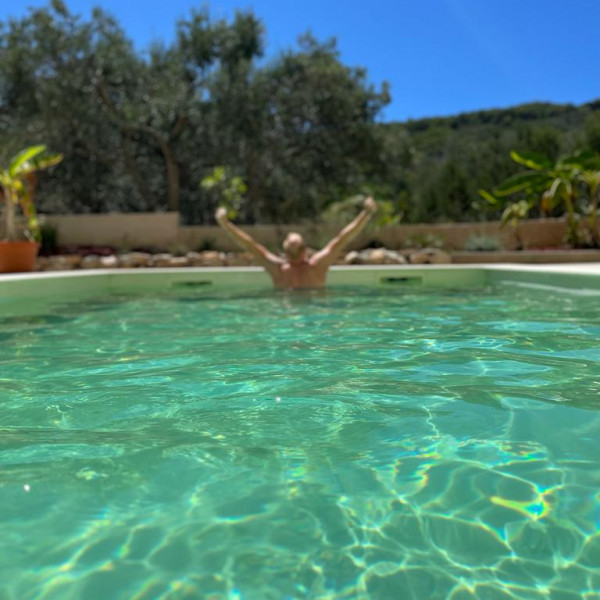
297	270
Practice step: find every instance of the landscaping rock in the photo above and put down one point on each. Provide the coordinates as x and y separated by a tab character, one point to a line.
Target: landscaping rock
73	261
375	256
62	262
41	263
134	260
109	262
239	259
178	262
430	256
161	260
387	257
91	261
194	259
209	258
351	258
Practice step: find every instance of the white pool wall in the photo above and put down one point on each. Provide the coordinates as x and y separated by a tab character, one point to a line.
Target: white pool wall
22	289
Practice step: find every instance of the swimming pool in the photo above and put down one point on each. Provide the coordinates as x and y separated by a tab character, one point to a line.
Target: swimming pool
355	443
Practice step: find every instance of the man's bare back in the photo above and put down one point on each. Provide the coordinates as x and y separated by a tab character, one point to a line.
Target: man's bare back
297	270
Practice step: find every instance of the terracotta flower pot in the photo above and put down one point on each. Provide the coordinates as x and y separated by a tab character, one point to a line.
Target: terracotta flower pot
16	257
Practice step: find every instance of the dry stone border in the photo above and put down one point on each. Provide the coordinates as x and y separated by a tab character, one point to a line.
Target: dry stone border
211	258
429	256
383	256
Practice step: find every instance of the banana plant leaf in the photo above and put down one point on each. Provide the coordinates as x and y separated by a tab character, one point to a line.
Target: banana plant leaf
21	159
532	160
522	181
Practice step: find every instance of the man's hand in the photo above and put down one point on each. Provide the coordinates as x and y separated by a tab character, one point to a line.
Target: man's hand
370	206
221	215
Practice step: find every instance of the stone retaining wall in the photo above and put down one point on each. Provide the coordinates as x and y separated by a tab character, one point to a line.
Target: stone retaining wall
162	231
376	256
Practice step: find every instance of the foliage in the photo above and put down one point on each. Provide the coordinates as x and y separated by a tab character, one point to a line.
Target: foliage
427	240
587	167
554	187
178	249
17	188
48	239
343	211
482	243
434	168
207	244
228	190
140	129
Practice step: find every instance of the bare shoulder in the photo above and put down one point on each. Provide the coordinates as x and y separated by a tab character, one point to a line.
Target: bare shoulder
320	260
323	258
275	267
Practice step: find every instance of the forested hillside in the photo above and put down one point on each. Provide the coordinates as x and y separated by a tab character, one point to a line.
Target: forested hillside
434	167
140	131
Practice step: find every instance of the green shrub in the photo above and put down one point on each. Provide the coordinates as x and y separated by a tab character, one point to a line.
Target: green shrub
482	243
206	245
427	240
48	239
178	249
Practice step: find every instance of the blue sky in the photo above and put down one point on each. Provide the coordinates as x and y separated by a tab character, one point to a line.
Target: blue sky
441	57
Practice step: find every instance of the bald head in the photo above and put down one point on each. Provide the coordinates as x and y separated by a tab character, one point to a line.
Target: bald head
294	246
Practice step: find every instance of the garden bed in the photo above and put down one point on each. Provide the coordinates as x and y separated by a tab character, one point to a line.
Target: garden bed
376	256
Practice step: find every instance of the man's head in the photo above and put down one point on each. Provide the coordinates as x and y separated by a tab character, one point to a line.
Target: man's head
294	247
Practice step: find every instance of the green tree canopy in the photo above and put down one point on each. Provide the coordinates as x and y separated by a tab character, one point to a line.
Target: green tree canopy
140	130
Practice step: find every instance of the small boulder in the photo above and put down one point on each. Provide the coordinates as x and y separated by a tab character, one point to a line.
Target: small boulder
389	257
212	258
352	258
66	262
375	256
161	260
91	261
41	263
194	259
178	261
73	261
239	259
430	256
134	260
109	262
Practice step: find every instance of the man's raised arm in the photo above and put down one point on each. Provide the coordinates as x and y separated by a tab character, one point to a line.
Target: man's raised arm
333	249
267	259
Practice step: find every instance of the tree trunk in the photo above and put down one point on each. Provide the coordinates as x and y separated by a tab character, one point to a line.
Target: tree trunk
9	216
573	234
132	169
172	176
163	142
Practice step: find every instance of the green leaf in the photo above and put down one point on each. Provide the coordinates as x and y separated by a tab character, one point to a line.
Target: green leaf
520	182
219	173
23	157
515	211
589	160
580	158
39	164
208	183
532	160
555	187
487	196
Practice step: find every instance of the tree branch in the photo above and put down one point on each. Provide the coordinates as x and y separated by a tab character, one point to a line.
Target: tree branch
170	163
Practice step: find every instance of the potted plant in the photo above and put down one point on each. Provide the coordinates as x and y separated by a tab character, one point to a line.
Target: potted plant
19	249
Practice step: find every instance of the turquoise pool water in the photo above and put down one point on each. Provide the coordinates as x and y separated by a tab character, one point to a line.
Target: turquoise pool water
349	444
